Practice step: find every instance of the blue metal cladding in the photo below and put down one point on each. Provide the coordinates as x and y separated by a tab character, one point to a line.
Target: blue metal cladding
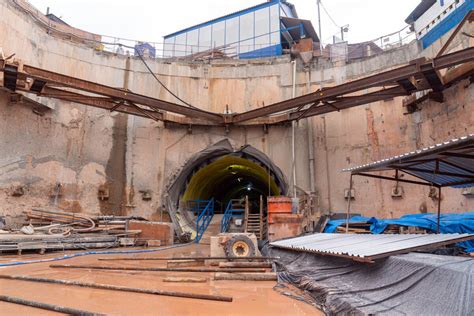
269	51
447	24
253	43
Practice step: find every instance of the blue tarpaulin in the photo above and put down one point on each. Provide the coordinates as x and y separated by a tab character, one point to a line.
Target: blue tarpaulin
449	223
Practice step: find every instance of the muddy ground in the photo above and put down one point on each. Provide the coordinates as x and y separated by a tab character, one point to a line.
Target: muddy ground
249	297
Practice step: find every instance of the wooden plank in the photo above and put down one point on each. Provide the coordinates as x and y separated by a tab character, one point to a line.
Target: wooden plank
246	276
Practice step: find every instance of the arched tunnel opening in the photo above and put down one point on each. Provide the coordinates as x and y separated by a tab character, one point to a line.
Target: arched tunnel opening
231	178
223	174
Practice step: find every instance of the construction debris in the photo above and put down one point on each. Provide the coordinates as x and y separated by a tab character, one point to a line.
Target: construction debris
53	230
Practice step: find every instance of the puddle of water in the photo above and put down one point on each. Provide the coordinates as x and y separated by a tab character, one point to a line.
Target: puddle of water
250	298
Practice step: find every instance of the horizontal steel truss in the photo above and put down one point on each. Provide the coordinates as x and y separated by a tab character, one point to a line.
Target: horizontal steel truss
419	75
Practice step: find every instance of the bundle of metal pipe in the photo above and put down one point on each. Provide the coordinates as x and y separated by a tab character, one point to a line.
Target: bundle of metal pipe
77	222
47	230
44	242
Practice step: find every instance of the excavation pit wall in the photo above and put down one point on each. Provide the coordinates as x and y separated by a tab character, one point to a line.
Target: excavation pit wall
88	160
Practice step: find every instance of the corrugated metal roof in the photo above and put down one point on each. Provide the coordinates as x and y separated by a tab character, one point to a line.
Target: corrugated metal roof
446	164
367	247
308	26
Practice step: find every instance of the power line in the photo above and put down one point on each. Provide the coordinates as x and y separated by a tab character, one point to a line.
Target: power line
327	13
159	81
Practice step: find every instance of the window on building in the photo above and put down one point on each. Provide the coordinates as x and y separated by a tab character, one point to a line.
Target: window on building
205	38
247	32
168	47
232	36
180	45
274	25
262	28
218	34
192	42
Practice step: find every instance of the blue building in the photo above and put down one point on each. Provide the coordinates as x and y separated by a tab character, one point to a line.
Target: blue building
431	19
260	31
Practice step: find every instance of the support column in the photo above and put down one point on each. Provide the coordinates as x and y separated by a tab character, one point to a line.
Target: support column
348	205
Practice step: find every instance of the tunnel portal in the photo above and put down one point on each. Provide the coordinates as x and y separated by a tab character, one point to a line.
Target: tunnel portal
231	178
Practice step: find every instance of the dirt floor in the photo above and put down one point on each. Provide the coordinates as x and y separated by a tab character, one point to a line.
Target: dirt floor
249	297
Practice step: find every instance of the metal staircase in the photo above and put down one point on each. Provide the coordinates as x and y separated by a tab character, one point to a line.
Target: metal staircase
205	209
256	221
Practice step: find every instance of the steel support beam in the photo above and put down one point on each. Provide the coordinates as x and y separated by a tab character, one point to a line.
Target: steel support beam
351	102
384	78
103	103
92	87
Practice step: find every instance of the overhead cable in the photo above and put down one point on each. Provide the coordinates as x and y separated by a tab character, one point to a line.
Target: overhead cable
327	13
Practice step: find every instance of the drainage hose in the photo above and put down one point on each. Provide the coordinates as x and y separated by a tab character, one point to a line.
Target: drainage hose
74	255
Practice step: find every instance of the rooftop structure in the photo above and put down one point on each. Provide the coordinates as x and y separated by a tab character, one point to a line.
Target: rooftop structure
260	31
431	19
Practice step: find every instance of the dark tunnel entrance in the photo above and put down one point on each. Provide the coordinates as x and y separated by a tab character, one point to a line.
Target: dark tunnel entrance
226	175
231	178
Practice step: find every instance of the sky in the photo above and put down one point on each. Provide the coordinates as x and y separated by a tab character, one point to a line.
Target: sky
150	20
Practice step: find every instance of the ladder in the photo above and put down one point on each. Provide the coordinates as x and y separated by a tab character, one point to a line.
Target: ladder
256	221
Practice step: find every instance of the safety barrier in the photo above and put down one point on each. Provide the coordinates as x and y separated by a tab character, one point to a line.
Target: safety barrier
205	209
231	212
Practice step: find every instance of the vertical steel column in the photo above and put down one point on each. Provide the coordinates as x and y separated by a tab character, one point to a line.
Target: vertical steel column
439	209
348	205
293	136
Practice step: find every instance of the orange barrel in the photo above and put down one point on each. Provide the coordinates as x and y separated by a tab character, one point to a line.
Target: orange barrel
279	205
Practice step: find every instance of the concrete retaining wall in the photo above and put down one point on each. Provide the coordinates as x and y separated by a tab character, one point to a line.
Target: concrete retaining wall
63	158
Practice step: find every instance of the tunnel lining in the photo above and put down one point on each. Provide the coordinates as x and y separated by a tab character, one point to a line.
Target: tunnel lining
230	177
209	155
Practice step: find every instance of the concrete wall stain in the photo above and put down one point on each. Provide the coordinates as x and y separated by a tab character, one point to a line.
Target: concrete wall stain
84	148
115	169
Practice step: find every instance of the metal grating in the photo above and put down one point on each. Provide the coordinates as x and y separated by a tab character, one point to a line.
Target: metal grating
367	248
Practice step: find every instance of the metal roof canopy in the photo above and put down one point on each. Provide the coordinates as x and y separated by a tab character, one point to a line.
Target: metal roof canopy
293	23
367	248
449	164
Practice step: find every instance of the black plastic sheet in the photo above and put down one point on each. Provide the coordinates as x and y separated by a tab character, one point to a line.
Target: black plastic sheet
411	284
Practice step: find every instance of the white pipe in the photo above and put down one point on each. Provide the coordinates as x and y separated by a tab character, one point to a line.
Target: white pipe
319	23
293	129
309	120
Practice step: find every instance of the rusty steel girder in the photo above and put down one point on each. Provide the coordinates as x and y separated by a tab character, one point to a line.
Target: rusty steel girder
99	89
419	75
378	80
